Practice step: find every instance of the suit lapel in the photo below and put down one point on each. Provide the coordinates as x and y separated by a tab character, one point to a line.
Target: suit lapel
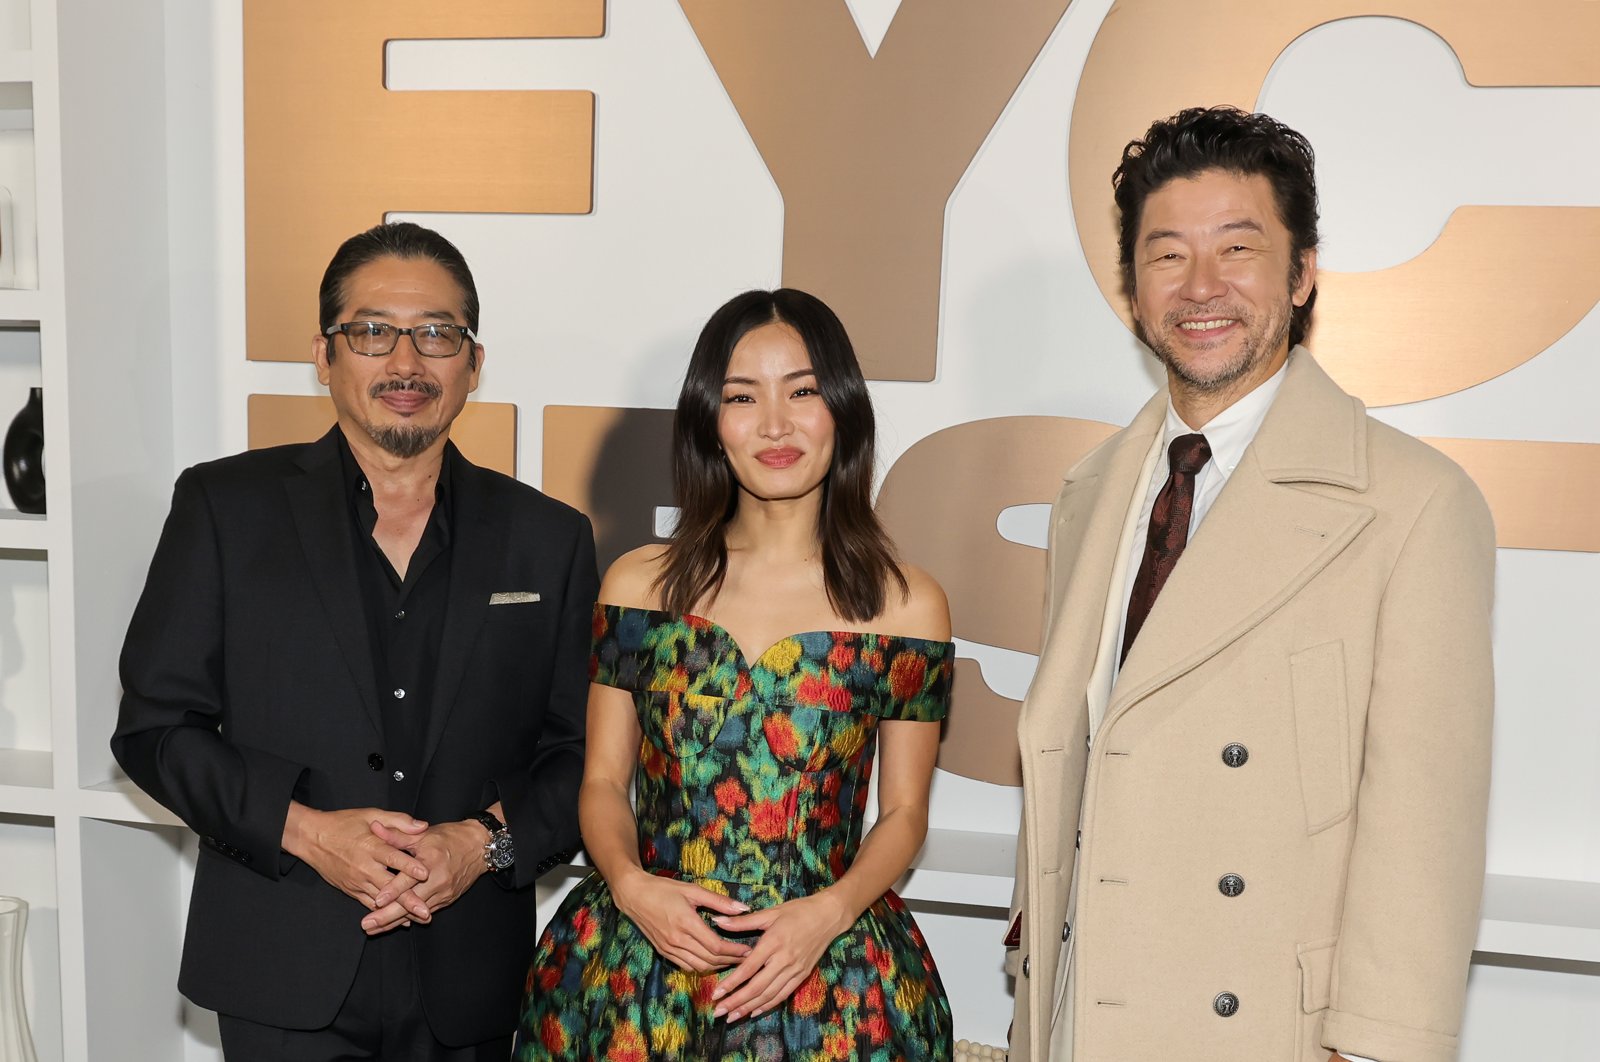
322	520
1264	538
1088	526
478	549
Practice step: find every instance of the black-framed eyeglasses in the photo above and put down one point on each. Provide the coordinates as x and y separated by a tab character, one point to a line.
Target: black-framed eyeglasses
374	339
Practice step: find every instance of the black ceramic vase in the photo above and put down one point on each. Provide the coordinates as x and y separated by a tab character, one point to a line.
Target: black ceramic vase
24	455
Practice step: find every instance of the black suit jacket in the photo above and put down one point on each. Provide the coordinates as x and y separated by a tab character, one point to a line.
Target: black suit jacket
248	680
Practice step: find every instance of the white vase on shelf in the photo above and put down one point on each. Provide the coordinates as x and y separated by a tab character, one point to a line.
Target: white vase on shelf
15	1043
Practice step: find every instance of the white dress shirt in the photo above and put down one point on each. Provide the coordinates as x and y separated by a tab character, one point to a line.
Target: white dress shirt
1228	434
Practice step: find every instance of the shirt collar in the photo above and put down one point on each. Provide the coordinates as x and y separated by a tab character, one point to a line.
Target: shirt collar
1230	432
355	485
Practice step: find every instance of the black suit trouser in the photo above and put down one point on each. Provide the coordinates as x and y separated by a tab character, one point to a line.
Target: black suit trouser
381	1020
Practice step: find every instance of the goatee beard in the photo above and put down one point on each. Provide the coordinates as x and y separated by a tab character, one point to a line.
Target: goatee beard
402	440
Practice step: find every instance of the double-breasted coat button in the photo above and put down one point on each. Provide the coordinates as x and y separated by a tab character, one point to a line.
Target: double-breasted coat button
375	762
1235	755
1066	932
399	776
1226	1004
1027	966
1230	884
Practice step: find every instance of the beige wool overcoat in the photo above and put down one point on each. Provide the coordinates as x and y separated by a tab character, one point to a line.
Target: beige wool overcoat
1305	714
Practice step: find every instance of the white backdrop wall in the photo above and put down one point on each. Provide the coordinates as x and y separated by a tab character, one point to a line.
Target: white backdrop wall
601	309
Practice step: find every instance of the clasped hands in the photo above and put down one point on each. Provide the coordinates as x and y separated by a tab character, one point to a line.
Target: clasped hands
402	869
794	934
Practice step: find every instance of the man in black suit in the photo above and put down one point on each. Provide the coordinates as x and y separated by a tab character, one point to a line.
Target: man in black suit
358	671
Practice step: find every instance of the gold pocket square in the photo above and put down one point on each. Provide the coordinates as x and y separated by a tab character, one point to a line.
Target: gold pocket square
513	597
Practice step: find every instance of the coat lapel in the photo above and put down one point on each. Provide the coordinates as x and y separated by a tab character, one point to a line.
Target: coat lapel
1264	538
478	549
322	520
1083	541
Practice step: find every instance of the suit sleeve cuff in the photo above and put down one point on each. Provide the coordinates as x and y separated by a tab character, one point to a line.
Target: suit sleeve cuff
253	835
1375	1039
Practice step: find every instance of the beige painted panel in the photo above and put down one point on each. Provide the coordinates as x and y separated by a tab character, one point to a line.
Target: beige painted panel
940	502
486	432
1543	495
867	150
314	92
1494	290
980	735
615	465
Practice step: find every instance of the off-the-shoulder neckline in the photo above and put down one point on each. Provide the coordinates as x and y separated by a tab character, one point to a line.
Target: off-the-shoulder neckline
751	661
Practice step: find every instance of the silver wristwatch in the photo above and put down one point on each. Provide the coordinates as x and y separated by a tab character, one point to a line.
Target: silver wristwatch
499	853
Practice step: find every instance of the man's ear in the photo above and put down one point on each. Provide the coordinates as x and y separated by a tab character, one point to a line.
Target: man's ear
1308	278
322	354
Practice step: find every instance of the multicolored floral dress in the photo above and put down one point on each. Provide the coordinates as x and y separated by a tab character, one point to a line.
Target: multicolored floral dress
752	780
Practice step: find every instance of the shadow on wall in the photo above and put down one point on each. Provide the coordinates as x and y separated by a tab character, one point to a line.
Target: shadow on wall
613	464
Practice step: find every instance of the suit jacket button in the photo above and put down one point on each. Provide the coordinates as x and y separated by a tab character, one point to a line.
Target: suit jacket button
375	761
1226	1004
1230	884
1027	966
1066	932
1235	755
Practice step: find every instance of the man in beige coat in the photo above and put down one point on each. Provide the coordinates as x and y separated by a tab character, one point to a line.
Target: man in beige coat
1256	750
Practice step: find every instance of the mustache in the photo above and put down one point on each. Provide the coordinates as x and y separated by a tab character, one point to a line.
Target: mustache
383	387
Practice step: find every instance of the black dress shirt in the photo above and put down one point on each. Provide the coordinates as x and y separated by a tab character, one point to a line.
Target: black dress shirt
405	621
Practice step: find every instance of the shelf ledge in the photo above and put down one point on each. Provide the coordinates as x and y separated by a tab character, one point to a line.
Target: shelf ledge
16	66
25	782
1543	917
122	801
23	531
19	306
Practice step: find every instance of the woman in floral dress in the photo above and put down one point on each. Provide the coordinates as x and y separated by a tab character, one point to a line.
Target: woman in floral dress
744	677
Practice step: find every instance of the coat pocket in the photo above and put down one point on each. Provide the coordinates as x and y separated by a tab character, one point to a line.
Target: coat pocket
1316	973
1316	994
1322	733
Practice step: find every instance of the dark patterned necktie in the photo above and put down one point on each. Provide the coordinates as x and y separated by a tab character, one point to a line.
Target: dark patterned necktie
1169	531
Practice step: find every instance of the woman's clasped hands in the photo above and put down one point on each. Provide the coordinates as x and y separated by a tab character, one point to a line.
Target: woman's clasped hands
667	911
794	934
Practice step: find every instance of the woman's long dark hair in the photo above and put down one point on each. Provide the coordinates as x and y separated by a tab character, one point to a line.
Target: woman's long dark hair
858	560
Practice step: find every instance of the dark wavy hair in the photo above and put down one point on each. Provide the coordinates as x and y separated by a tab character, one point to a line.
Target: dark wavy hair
394	239
1223	138
858	560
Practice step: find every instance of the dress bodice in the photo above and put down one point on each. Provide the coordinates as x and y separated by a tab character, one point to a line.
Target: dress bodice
755	772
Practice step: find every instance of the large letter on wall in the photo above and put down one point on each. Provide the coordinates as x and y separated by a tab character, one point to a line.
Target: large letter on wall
940	503
867	150
1497	288
329	150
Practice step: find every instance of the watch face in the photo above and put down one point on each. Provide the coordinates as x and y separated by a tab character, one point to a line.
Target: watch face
502	853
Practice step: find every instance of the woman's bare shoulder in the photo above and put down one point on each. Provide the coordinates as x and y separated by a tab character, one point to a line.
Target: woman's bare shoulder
631	579
922	611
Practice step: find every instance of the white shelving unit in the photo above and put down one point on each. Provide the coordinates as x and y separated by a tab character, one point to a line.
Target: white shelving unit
99	866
